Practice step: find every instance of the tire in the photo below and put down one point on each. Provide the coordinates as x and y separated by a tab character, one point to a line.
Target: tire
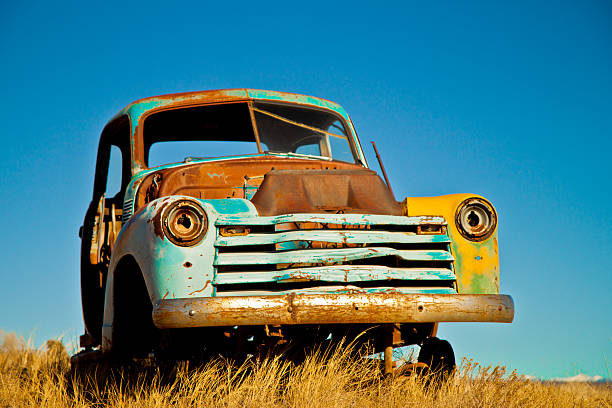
439	356
134	333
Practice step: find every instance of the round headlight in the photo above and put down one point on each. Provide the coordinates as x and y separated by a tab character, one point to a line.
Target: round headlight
476	219
184	222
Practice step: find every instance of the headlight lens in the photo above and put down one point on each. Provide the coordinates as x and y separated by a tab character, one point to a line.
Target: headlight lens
476	219
185	222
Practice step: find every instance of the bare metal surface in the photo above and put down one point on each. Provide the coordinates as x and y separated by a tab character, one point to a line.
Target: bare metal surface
328	309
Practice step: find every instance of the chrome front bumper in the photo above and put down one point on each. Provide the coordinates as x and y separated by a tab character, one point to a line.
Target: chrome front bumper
332	309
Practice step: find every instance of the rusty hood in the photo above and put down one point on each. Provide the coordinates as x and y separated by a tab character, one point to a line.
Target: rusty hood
359	191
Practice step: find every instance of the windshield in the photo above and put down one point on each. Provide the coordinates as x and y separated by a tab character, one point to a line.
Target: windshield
227	130
290	129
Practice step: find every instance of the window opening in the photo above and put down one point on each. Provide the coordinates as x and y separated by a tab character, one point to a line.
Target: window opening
115	168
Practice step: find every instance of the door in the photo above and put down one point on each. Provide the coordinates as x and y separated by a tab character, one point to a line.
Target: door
102	224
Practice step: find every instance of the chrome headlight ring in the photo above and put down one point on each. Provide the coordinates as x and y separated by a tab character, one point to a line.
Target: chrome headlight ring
476	219
184	222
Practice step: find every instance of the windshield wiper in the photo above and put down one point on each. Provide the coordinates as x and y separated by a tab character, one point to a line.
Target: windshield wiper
298	124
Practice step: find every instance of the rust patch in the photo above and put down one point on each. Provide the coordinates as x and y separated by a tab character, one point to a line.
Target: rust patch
295	277
166	295
221	179
157	223
152	189
291	307
187	264
339	191
200	290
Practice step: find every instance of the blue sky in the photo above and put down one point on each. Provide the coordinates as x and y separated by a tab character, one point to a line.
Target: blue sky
509	100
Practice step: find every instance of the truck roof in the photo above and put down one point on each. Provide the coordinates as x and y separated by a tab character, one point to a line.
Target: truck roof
142	106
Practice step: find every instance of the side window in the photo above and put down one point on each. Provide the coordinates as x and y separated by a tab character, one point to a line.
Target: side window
113	161
115	168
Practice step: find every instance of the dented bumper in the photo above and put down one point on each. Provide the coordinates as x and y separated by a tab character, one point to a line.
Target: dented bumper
332	309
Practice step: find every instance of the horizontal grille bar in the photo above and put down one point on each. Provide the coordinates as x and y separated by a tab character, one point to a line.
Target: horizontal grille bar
328	256
336	273
339	290
341	236
341	219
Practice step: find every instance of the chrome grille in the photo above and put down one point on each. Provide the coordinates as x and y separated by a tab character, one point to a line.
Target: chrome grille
331	253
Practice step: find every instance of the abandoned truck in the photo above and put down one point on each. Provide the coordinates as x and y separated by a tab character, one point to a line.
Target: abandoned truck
249	219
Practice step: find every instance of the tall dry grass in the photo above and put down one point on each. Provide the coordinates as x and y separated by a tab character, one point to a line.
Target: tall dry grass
31	377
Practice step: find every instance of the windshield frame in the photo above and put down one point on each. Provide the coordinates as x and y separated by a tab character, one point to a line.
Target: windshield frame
138	141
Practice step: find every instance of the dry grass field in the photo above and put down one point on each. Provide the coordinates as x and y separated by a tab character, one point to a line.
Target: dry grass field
43	378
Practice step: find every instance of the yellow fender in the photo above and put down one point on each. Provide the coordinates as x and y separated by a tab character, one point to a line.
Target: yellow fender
476	263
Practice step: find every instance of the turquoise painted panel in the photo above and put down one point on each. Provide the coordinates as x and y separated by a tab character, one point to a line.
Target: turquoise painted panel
172	271
345	237
182	272
169	271
328	256
291	245
335	273
343	219
138	109
236	206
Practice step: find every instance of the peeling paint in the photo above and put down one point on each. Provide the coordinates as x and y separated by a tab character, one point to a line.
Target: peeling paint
337	273
329	256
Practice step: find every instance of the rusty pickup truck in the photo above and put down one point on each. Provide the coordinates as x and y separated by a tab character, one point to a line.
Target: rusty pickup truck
248	220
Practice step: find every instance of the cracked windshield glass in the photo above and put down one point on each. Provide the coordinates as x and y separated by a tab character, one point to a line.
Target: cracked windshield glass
226	130
289	129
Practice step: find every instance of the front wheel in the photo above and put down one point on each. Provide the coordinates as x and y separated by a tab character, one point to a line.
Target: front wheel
439	357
